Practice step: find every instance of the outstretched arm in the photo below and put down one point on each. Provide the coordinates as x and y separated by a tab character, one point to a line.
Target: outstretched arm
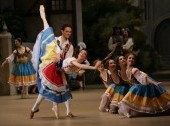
43	17
9	59
84	66
152	81
3	64
143	78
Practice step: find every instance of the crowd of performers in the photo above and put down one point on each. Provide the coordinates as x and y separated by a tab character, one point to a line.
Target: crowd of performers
129	91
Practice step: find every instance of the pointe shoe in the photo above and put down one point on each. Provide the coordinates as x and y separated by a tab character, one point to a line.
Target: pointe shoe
70	115
128	115
32	113
42	12
56	112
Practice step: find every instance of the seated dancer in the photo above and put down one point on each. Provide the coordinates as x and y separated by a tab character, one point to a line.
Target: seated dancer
144	98
47	59
110	78
121	88
117	89
104	74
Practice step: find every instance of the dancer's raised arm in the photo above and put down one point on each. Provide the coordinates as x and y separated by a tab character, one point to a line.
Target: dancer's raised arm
43	17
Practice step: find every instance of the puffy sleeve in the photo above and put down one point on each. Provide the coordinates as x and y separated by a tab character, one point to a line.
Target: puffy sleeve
67	61
29	50
140	76
129	44
110	44
11	57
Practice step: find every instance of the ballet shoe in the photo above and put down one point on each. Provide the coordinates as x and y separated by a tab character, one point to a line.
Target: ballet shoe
32	113
70	115
56	113
128	115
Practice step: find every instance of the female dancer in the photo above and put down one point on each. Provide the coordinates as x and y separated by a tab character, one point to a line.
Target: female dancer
110	79
104	74
121	88
116	91
143	99
23	73
52	84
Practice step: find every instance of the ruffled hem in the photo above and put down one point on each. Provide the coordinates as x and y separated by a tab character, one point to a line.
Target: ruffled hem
22	80
51	77
55	96
149	99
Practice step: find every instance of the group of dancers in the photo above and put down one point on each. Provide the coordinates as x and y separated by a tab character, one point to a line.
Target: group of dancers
129	91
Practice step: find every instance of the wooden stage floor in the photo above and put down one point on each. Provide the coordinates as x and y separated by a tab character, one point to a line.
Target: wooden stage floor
15	112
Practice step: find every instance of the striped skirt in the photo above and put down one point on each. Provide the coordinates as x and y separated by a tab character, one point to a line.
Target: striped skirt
23	74
145	99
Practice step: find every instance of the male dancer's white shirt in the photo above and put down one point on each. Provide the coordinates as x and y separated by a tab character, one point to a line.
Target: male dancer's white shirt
63	45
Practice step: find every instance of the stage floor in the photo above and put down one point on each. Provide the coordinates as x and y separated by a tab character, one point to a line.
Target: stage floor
15	112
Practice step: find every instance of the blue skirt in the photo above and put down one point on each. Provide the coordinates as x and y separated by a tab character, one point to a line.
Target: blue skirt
145	99
116	92
23	74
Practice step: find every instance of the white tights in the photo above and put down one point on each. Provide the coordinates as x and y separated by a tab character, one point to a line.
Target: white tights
24	91
67	104
55	105
38	102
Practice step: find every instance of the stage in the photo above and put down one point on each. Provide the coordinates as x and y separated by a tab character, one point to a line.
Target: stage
15	111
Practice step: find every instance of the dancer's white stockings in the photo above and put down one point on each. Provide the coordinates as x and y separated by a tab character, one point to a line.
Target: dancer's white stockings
24	92
37	103
67	103
56	108
43	17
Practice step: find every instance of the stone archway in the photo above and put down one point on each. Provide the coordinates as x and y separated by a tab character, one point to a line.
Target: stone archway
162	42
